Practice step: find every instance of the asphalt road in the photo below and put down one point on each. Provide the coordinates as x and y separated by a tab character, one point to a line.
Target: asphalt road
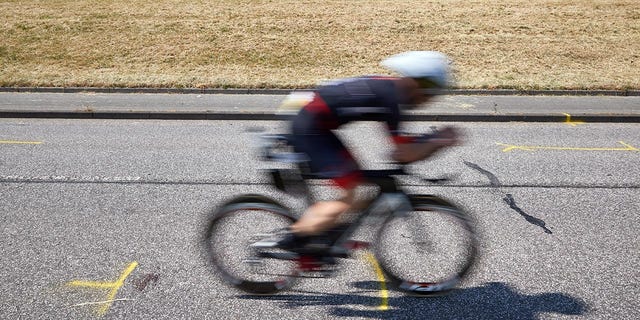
121	205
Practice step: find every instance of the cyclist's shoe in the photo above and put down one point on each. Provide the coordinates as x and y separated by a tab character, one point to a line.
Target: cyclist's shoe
277	239
313	254
287	240
316	245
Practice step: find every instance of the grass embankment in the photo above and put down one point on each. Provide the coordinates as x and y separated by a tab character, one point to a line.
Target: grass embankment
560	44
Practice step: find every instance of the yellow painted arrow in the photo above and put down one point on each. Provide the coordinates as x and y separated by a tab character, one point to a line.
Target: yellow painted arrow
510	147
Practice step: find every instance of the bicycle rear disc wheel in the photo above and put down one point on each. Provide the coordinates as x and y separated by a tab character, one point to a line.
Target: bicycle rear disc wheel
229	235
428	250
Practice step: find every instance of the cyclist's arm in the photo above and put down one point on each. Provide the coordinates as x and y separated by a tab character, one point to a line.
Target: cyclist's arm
409	149
411	152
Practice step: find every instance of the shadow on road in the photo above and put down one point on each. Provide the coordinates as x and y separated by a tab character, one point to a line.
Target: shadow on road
493	300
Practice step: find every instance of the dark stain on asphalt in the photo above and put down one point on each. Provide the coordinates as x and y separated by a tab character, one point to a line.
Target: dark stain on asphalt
508	198
493	180
142	283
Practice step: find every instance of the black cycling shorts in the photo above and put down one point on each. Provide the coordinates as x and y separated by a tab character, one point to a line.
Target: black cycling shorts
329	158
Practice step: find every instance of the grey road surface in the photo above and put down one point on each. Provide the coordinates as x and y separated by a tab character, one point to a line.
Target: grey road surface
102	219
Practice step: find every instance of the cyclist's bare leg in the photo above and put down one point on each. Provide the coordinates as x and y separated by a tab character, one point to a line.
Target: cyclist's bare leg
323	215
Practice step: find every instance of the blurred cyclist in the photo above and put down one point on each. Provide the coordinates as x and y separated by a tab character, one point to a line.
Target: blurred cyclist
424	75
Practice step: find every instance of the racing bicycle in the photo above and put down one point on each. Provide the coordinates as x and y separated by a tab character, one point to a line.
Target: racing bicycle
425	244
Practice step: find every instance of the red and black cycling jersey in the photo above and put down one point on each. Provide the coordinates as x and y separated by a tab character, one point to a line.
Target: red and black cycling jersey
357	99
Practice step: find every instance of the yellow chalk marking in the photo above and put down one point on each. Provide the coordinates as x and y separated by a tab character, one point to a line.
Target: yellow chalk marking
510	147
572	123
19	142
114	286
384	294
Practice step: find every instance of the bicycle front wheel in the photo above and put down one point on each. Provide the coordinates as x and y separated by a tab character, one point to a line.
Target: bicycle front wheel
428	250
230	233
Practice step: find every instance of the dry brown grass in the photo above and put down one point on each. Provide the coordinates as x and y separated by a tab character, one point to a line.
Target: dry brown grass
560	44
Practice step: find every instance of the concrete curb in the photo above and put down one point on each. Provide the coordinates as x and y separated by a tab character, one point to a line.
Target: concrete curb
266	116
623	93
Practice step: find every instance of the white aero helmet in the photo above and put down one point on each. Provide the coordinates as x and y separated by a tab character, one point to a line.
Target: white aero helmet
429	68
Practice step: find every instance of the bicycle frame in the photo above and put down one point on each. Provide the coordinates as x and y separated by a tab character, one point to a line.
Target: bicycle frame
389	200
